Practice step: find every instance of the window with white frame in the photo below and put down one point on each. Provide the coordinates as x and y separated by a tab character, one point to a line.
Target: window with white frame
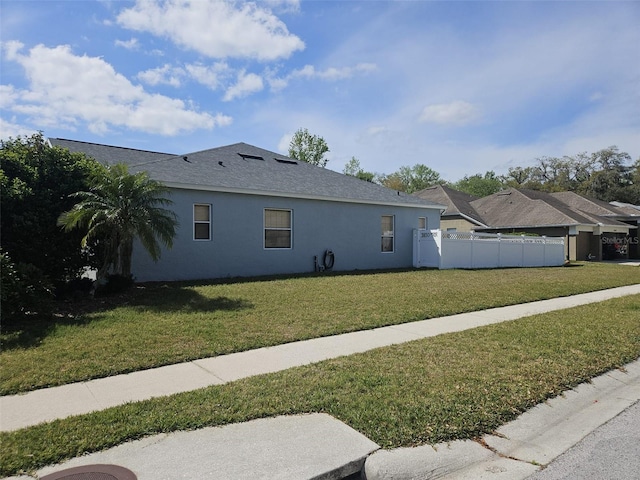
387	228
277	228
201	221
422	223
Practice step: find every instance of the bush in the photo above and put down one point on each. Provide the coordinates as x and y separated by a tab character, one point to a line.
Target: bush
74	289
115	284
36	182
23	289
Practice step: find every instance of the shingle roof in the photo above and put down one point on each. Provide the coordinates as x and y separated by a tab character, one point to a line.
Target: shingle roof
627	208
247	169
455	201
110	155
594	206
515	208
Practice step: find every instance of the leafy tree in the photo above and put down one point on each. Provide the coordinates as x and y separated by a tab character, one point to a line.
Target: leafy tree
633	190
520	177
411	179
353	169
605	175
36	181
479	185
308	148
392	181
118	208
614	180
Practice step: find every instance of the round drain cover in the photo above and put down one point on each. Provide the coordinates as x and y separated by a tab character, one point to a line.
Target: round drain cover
92	472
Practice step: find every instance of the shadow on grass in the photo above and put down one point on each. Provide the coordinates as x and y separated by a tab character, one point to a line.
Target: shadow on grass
180	298
285	276
30	330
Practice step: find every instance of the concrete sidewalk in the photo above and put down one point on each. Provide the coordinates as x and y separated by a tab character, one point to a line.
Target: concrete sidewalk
317	446
23	410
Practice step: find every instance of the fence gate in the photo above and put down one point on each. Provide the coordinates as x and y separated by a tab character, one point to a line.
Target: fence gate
426	248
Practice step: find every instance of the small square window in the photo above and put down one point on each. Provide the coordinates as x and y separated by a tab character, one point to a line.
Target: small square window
202	222
277	228
422	223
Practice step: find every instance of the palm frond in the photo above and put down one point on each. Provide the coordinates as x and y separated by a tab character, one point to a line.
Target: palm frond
119	207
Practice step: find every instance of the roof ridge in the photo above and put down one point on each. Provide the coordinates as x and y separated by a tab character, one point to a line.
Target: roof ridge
239	145
113	146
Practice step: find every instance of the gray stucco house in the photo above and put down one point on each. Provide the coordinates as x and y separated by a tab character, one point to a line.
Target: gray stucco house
246	211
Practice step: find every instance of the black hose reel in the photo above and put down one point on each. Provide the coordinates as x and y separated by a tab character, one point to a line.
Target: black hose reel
328	260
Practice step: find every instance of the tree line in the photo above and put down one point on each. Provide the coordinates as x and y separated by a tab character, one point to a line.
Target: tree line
607	175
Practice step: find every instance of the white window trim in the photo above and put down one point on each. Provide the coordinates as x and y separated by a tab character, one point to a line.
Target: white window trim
392	236
208	222
264	228
426	223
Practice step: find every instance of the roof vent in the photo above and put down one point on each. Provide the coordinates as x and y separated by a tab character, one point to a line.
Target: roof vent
289	162
246	156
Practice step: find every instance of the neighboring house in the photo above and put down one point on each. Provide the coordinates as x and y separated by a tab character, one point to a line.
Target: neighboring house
625	213
592	229
459	215
246	211
588	232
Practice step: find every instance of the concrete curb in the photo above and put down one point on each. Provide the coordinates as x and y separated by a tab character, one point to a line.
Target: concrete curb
521	447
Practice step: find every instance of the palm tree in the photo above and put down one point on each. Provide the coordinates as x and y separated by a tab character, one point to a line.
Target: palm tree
118	208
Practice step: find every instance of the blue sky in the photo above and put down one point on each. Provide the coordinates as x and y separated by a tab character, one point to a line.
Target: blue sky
462	87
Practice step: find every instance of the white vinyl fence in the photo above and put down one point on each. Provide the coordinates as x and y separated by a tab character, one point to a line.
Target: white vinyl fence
434	248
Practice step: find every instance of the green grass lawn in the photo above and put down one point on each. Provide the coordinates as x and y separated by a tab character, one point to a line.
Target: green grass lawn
161	324
453	386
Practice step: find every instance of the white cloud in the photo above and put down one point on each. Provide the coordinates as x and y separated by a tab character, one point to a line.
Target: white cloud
333	73
285	6
210	76
377	130
8	96
245	86
131	44
11	49
13	130
454	113
165	75
63	92
285	141
217	29
330	74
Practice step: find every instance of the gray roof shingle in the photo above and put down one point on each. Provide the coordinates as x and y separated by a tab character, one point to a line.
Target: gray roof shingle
594	206
530	208
247	169
455	201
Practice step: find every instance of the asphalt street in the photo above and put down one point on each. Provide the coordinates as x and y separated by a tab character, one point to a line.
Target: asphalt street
611	452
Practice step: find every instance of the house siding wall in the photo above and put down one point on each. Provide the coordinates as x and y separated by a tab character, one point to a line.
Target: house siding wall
460	224
352	231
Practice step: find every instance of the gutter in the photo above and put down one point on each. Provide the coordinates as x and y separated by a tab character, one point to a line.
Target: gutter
265	193
563	225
